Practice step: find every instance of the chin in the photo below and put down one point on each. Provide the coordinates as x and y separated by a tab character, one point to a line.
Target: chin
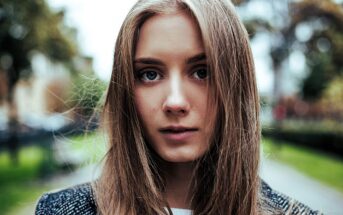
180	157
179	160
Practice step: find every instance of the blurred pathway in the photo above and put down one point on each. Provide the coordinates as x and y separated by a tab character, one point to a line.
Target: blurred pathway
279	176
289	181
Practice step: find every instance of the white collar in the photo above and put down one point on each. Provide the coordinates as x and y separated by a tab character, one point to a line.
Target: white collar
179	211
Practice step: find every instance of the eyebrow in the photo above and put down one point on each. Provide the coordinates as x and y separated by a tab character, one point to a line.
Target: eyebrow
154	61
196	58
148	60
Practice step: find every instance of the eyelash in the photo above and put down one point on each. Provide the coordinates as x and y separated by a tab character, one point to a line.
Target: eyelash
143	72
201	67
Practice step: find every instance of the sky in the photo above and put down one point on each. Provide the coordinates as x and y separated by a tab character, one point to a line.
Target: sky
98	23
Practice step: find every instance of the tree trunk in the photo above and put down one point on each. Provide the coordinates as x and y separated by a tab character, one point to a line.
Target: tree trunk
13	124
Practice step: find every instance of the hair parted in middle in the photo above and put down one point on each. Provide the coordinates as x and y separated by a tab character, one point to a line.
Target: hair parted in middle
225	179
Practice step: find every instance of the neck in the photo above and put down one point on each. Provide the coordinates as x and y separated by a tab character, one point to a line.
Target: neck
178	179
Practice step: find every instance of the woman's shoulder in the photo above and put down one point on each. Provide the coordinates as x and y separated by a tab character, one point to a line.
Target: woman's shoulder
273	200
74	200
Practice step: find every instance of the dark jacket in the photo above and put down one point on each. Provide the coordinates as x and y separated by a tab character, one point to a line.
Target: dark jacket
80	200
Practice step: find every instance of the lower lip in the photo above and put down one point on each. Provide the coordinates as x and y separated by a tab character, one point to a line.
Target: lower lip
178	136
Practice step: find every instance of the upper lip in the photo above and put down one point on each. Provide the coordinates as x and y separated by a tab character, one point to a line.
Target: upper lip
174	128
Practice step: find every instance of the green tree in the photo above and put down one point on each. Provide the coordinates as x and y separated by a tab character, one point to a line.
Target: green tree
27	26
323	49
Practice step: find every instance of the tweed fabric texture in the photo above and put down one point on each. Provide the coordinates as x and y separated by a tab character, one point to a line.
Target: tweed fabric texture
276	201
71	201
80	200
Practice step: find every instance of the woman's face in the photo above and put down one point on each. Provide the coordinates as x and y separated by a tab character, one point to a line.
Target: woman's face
172	89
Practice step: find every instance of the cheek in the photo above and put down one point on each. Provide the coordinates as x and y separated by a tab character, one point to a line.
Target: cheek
146	104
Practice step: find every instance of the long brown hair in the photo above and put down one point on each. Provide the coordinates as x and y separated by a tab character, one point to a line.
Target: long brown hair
225	180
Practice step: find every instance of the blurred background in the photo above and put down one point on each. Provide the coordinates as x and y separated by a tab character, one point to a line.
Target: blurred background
55	64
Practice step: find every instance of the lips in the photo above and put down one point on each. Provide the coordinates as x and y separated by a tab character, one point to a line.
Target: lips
177	133
176	129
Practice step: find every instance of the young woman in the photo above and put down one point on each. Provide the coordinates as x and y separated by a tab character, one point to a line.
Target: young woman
182	114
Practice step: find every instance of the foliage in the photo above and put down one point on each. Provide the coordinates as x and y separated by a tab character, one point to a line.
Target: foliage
313	126
87	95
323	135
323	50
27	26
324	168
332	98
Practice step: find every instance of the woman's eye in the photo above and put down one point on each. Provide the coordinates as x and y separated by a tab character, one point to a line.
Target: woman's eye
149	76
200	73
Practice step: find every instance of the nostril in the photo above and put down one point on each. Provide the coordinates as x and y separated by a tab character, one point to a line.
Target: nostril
176	111
176	104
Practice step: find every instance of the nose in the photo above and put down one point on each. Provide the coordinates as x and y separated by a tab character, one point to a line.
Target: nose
176	102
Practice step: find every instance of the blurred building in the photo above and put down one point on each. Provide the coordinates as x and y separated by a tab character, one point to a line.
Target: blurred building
42	101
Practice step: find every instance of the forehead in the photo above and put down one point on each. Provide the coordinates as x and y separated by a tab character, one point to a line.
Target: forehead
164	33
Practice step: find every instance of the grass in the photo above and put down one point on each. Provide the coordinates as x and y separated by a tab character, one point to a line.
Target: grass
21	183
16	180
92	145
324	168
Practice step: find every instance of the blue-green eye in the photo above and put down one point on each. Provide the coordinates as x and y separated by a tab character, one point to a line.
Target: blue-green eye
149	76
200	73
